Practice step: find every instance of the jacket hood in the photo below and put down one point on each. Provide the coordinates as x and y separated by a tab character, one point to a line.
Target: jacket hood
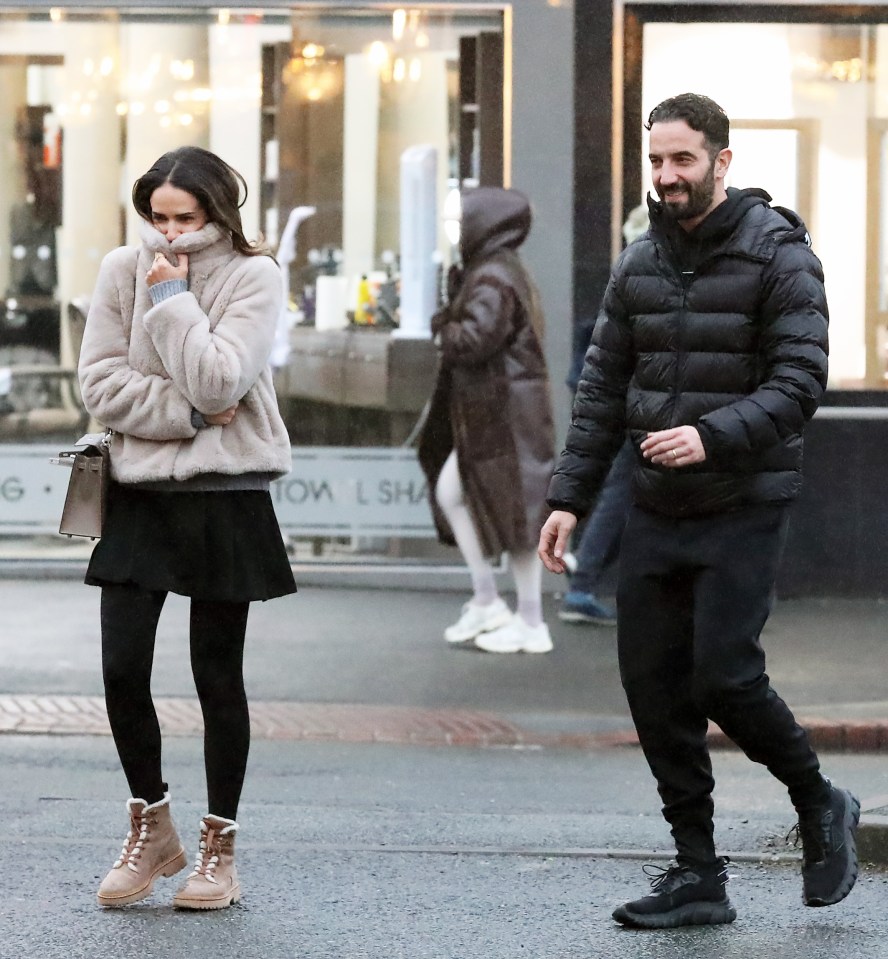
492	219
721	221
798	230
764	227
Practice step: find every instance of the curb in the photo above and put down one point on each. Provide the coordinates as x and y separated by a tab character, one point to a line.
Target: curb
872	839
402	725
353	723
825	735
358	723
828	735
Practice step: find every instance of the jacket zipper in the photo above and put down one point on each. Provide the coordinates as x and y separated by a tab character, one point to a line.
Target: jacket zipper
685	278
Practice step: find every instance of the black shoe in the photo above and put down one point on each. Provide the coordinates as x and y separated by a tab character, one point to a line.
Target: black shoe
681	896
829	850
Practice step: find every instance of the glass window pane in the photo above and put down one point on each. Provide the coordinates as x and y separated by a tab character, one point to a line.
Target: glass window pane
317	108
767	156
800	131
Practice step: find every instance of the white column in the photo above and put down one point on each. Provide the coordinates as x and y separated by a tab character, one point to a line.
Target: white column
12	91
359	165
419	219
167	94
236	79
422	118
90	156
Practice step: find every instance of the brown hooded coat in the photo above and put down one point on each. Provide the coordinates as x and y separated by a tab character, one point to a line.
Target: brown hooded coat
491	400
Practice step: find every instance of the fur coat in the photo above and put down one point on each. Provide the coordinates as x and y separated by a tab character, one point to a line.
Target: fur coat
491	400
143	368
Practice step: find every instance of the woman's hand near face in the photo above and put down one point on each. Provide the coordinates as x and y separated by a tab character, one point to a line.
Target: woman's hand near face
162	270
220	419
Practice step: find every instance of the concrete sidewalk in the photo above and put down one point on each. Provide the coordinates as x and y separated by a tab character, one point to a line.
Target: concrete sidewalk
325	652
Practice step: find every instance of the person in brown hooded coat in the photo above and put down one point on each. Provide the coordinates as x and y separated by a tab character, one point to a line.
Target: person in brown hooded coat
487	447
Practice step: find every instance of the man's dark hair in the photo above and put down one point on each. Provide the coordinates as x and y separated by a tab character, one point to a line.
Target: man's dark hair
700	113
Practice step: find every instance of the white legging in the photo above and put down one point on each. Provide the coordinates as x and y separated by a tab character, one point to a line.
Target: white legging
527	570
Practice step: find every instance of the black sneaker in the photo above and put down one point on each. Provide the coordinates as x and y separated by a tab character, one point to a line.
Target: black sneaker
829	849
681	896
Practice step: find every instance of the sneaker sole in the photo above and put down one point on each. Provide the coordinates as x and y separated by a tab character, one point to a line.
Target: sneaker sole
692	914
566	616
547	648
502	620
501	649
850	823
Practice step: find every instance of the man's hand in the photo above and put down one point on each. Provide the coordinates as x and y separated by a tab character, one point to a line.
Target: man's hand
220	419
674	448
554	537
162	269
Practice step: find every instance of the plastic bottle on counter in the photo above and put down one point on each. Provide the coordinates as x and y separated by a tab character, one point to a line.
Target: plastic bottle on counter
364	305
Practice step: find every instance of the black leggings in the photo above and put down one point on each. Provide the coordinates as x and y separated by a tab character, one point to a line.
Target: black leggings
129	626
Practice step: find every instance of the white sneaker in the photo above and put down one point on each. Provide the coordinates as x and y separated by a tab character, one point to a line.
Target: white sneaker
516	637
478	619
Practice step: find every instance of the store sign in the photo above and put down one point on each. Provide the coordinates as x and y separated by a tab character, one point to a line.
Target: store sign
331	491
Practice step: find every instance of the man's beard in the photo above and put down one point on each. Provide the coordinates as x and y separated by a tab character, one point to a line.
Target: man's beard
698	198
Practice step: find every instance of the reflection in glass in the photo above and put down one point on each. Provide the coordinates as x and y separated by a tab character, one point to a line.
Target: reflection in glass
316	107
800	127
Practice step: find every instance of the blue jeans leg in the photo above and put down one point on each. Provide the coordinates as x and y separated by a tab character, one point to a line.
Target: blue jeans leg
600	541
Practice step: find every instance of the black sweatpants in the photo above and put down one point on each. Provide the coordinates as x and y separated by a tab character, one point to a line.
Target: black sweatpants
693	596
129	616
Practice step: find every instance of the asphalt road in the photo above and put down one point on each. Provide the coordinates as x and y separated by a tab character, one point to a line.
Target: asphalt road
377	852
380	851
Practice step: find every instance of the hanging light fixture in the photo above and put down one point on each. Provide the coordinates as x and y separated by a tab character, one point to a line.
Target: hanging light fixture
312	74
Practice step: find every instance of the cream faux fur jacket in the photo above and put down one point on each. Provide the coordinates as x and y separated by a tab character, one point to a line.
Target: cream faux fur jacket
144	368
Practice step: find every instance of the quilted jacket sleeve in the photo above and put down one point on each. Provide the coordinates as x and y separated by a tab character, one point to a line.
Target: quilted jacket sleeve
793	351
598	421
479	323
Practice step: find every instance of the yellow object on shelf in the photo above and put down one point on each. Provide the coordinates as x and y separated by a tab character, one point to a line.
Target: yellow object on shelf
364	306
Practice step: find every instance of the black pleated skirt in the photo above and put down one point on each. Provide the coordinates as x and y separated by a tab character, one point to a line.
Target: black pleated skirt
222	546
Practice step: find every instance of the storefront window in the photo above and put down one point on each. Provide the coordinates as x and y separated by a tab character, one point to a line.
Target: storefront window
809	110
351	128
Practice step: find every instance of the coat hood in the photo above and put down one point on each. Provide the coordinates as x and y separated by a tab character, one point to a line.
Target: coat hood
764	227
720	222
492	219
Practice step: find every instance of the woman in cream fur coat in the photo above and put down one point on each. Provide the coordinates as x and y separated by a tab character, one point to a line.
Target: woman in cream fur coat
175	361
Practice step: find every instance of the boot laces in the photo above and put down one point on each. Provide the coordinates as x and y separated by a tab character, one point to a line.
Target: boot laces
661	879
207	857
132	847
814	836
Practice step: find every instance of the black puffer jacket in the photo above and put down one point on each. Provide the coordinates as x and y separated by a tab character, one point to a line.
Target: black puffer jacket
724	329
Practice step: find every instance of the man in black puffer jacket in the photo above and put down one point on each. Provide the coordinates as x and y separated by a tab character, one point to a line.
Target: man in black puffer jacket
710	350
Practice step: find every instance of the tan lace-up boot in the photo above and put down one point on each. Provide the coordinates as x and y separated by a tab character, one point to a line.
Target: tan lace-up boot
213	883
151	849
